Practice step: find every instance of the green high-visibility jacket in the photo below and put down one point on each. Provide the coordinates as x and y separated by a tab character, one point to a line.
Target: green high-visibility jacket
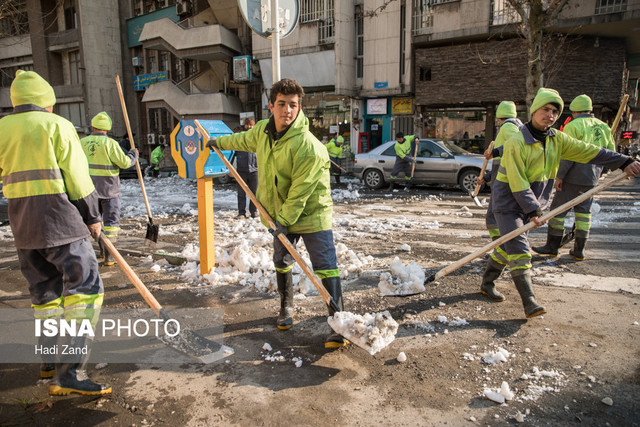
334	151
156	157
403	149
509	127
106	158
293	171
587	128
527	168
46	179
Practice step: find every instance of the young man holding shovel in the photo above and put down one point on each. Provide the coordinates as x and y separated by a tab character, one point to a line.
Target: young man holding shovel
404	158
53	208
334	148
293	171
106	158
524	182
574	179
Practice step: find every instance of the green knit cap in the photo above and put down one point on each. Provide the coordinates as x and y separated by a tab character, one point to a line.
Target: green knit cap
581	103
506	110
29	88
101	121
546	96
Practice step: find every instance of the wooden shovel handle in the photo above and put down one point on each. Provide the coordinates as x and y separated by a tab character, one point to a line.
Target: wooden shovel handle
571	203
142	289
126	121
616	121
415	154
287	244
484	168
338	166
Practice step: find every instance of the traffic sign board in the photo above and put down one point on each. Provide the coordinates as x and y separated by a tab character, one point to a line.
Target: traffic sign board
257	13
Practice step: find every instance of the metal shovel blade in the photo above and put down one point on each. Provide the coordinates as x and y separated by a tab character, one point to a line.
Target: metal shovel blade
475	199
151	238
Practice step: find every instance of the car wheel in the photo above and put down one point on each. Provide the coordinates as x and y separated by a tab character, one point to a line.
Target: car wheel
373	179
468	180
224	179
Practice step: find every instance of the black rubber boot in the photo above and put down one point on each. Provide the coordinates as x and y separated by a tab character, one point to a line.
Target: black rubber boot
578	248
551	247
332	285
522	279
67	378
390	188
285	289
338	179
108	259
488	287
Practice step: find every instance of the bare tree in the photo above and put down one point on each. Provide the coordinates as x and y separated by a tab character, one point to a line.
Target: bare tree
536	16
13	18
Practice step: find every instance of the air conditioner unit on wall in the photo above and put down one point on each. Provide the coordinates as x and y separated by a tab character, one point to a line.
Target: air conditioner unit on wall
183	7
136	61
151	138
242	68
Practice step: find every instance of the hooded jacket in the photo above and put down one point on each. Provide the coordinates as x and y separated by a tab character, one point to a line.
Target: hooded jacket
528	168
508	128
46	179
587	128
105	161
293	173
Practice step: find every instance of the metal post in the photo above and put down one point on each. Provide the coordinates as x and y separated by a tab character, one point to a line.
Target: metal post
275	40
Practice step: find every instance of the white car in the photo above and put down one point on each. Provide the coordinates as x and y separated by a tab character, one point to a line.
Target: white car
438	162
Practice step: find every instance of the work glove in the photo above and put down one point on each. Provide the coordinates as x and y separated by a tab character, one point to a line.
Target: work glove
212	142
410	159
280	229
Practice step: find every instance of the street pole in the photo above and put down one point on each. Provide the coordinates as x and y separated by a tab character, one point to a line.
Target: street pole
275	41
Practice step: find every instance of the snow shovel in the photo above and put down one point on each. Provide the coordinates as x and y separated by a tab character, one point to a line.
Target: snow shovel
339	167
453	267
476	190
328	299
187	342
572	234
151	238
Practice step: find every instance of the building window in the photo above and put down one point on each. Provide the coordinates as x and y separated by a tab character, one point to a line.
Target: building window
9	73
13	19
403	28
152	64
424	74
422	16
321	11
75	74
610	6
74	112
502	13
70	18
359	42
164	61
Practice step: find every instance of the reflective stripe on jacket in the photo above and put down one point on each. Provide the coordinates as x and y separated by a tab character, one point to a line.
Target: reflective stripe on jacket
527	170
105	159
293	173
588	129
334	151
46	180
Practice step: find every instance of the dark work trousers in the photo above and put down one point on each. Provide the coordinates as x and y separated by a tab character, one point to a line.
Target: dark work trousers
61	271
251	179
322	253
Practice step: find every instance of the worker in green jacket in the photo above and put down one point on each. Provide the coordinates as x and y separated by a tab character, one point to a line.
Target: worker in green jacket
334	148
156	157
404	158
293	171
53	209
524	182
574	179
106	158
508	124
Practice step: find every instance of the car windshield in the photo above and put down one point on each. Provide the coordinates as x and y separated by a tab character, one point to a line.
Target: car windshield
453	147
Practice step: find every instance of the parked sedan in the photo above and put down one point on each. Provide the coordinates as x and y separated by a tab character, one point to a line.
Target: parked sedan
438	162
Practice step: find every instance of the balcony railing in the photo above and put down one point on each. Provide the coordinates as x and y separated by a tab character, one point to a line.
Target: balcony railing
422	16
610	6
502	13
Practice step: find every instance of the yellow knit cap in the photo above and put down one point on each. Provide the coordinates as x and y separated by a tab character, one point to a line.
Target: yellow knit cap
101	121
581	103
546	96
506	110
29	88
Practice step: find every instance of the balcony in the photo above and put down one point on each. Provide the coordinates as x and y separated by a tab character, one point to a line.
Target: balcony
63	40
207	43
181	104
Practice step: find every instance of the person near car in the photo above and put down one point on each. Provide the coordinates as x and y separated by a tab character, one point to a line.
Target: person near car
508	125
125	143
529	164
404	149
574	179
53	209
156	157
334	148
295	190
105	159
247	167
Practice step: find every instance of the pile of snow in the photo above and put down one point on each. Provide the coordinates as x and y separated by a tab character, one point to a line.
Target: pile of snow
403	280
542	381
495	357
503	394
457	321
372	332
351	193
